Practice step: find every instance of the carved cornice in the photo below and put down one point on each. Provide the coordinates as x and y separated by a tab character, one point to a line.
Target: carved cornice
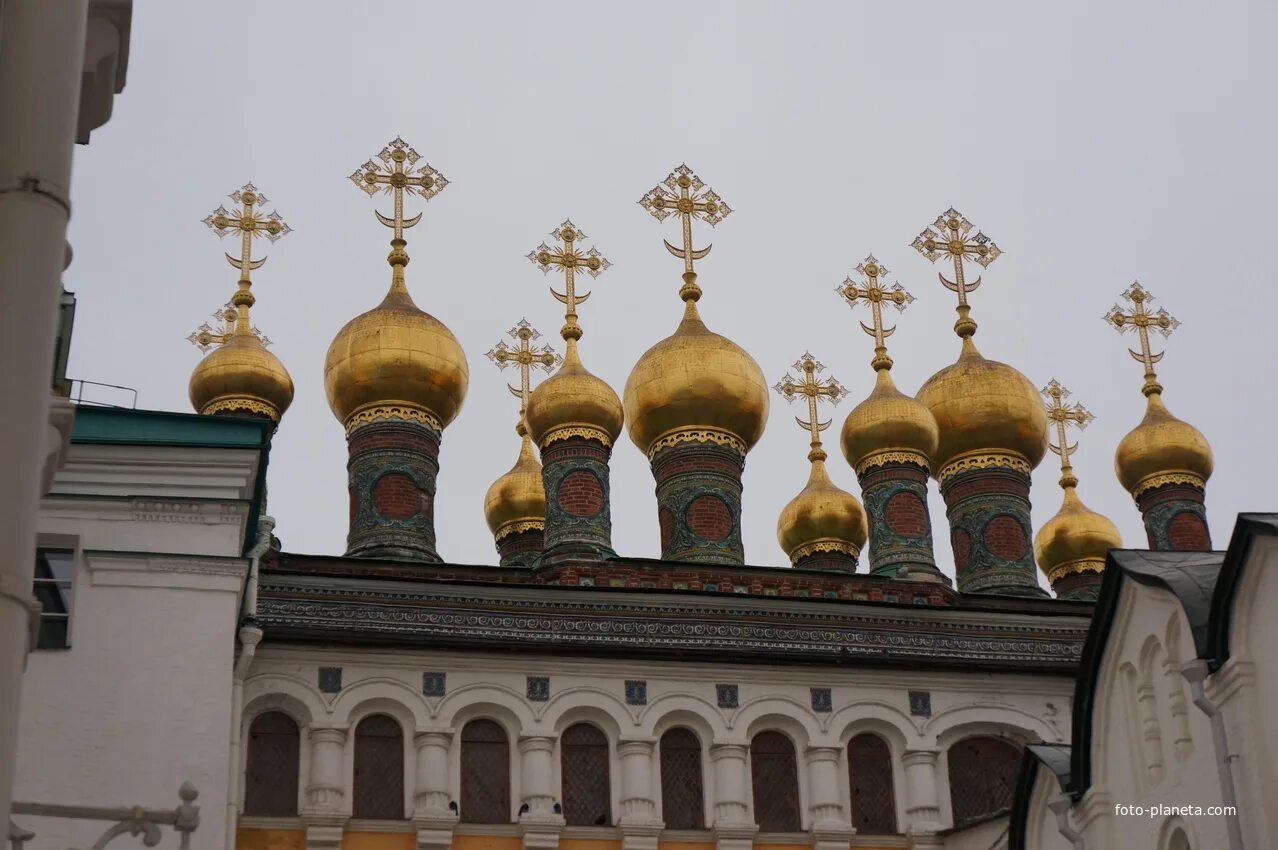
884	458
984	460
698	435
201	513
1153	482
298	607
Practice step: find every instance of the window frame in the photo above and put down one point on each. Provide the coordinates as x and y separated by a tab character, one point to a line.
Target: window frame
65	586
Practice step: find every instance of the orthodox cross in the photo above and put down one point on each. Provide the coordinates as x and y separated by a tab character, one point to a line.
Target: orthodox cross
1142	320
399	174
1060	414
681	193
876	294
526	357
250	223
949	236
814	391
568	258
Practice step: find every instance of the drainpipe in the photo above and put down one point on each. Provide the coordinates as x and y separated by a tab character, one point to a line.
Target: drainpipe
250	635
1060	804
1195	672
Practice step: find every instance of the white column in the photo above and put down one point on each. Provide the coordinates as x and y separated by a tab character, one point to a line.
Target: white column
639	824
433	793
733	827
824	805
326	785
637	803
539	825
41	54
538	778
923	811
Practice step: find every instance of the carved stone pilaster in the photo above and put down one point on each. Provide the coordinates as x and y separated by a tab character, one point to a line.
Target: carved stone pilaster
431	798
699	502
325	787
391	474
923	801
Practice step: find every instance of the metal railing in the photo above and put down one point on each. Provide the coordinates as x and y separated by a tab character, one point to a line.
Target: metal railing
77	392
133	820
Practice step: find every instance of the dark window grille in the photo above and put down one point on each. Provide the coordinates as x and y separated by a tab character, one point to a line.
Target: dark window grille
272	766
982	777
776	783
54	571
485	773
584	768
379	769
870	778
682	792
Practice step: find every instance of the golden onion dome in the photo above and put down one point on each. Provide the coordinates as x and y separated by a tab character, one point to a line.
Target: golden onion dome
241	376
984	406
517	500
396	356
888	421
1076	537
1162	449
822	518
696	380
573	398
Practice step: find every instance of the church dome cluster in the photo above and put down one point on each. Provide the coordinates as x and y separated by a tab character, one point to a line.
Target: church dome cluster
695	404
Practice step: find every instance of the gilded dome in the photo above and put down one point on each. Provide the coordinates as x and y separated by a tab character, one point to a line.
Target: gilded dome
1162	445
573	398
982	406
517	500
241	376
692	380
821	518
396	355
888	421
1075	535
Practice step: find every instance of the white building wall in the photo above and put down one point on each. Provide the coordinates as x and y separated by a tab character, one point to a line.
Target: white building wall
1020	707
140	702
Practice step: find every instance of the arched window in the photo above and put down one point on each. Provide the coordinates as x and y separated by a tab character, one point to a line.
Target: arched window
982	777
271	769
1178	840
776	783
485	773
584	769
682	794
870	778
379	769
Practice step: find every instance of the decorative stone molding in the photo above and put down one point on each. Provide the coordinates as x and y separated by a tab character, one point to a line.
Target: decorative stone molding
432	794
58	440
326	787
187	511
108	569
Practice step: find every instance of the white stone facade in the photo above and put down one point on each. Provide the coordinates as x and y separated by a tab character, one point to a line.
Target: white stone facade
1021	708
141	701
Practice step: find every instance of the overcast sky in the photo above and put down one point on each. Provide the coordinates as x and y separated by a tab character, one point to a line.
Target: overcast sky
1097	143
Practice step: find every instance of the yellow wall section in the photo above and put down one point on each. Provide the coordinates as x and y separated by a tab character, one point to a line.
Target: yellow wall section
270	839
689	845
592	844
488	842
379	840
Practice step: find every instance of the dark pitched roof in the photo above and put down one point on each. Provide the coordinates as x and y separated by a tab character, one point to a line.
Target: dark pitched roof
1051	757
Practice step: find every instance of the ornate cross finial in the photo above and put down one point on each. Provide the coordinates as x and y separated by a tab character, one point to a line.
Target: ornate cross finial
1060	414
399	174
948	236
681	193
814	391
876	294
249	222
1141	319
206	336
568	258
525	357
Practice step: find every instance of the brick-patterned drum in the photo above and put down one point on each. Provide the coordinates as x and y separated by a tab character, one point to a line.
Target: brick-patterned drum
581	494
